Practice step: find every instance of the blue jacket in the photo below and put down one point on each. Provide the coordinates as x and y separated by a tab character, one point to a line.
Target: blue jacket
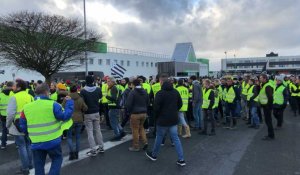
59	114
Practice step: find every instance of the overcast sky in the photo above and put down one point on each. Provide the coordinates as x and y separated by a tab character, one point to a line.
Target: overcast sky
245	28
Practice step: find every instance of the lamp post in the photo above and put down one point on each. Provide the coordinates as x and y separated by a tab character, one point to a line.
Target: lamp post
85	37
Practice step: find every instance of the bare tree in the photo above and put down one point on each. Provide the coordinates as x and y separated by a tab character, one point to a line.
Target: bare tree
43	43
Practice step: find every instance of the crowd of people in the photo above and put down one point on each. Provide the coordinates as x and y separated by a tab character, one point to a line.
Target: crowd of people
41	116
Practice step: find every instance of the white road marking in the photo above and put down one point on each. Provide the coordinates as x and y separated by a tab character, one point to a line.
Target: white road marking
82	154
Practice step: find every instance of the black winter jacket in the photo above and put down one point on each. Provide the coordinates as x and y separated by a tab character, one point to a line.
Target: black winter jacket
91	96
167	103
137	101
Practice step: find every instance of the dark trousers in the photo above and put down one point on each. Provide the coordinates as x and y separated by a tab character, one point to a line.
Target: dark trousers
298	105
208	117
259	114
268	120
278	114
220	109
105	112
189	114
231	114
39	157
294	104
125	118
4	131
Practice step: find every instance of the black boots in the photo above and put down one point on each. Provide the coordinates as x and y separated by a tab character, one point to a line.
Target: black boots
73	155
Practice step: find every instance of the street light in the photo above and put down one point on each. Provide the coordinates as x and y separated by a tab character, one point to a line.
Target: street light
85	37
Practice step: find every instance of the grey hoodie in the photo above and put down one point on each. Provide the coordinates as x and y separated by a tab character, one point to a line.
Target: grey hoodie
197	92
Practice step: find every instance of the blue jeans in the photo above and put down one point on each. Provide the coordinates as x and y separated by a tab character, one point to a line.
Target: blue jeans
254	116
114	121
4	131
197	115
160	133
39	157
238	109
24	151
76	127
182	119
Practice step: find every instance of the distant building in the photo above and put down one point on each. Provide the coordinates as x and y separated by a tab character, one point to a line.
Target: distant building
272	63
184	62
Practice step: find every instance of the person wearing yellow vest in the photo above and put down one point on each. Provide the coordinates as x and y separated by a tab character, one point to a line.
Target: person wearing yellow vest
184	94
5	95
280	101
53	92
14	109
207	107
104	101
113	95
232	97
218	108
294	91
252	99
265	98
44	120
245	86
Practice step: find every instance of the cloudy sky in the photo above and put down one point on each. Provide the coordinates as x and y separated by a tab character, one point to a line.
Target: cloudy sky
245	28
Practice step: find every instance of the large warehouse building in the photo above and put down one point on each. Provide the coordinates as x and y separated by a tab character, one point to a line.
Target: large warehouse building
135	62
272	63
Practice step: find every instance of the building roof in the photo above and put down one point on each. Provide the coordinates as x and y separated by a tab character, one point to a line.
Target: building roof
184	52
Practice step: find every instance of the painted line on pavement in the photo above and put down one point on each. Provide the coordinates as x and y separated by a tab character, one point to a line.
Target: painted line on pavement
82	154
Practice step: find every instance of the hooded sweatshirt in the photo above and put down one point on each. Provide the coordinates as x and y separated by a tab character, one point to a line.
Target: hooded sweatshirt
167	103
79	107
91	96
197	92
137	101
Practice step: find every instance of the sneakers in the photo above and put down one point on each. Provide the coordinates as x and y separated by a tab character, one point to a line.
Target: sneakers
181	163
123	134
91	153
132	149
149	155
100	150
72	156
115	139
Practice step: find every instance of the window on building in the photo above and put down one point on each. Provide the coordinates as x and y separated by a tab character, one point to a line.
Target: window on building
91	61
147	64
116	61
137	64
143	63
151	64
100	61
81	61
122	62
107	62
128	63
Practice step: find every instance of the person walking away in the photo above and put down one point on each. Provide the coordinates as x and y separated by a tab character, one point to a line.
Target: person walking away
280	101
104	101
184	94
14	108
196	101
266	101
207	106
252	99
79	108
5	95
91	96
124	100
44	121
137	104
167	103
113	97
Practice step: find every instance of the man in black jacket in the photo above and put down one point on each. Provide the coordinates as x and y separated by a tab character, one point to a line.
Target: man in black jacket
137	104
91	96
167	103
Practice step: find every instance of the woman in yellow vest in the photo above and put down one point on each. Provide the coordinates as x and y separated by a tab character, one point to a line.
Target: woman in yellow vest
207	107
280	101
252	100
14	109
184	94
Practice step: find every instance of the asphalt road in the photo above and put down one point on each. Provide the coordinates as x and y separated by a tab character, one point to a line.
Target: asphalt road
238	152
